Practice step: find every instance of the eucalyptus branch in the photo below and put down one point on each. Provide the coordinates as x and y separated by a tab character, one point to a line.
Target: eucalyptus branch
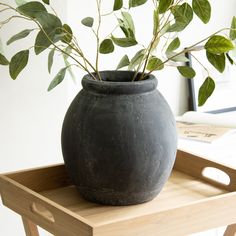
33	46
139	66
10	18
78	50
53	10
189	49
107	14
62	51
165	45
97	36
65	44
6	5
115	28
148	55
51	41
5	9
80	53
200	63
76	66
155	38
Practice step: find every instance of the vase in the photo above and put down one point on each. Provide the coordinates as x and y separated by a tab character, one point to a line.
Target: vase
119	139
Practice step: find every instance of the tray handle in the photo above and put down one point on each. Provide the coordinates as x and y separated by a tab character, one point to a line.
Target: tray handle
196	166
42	211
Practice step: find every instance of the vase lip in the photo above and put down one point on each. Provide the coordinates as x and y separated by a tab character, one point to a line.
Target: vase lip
118	82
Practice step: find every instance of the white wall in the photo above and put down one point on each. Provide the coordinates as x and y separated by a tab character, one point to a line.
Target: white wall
30	117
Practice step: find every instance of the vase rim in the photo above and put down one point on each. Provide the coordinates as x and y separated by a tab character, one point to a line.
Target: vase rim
119	82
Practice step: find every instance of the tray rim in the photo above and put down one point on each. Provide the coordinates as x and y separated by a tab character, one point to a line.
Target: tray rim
6	179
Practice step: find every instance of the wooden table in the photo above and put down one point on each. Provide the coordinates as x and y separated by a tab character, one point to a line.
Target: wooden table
189	203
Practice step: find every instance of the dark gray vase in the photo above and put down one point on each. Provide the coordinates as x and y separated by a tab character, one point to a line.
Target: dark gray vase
119	139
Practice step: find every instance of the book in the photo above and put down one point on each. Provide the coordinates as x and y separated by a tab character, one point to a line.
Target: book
226	119
205	127
200	132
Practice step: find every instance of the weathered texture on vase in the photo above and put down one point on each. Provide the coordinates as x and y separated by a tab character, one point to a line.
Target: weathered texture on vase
119	139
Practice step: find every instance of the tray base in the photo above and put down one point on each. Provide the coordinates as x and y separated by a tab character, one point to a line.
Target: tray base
189	202
181	189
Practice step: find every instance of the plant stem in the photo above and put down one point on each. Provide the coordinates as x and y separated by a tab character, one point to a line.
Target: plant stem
200	64
10	18
80	53
188	49
97	36
155	38
51	41
107	14
5	9
61	50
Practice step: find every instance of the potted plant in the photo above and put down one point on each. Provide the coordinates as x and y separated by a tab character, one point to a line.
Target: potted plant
119	136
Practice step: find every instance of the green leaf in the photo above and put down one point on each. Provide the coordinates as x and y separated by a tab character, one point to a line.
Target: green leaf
3	60
106	46
18	63
124	42
118	4
52	26
202	9
123	62
50	59
232	34
205	91
164	5
122	26
137	59
20	2
217	60
177	58
20	35
42	41
136	3
49	21
156	22
165	28
126	30
231	61
31	9
67	51
128	23
88	21
58	79
68	34
183	15
218	44
173	45
68	64
186	71
46	2
155	63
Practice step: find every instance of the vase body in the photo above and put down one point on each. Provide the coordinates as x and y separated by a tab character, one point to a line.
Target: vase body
119	139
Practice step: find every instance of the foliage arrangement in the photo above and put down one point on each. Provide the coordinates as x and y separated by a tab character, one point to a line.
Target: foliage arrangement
170	17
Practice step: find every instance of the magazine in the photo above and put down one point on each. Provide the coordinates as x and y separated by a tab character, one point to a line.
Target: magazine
205	127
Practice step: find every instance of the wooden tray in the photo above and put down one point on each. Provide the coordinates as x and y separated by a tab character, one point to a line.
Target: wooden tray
188	203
